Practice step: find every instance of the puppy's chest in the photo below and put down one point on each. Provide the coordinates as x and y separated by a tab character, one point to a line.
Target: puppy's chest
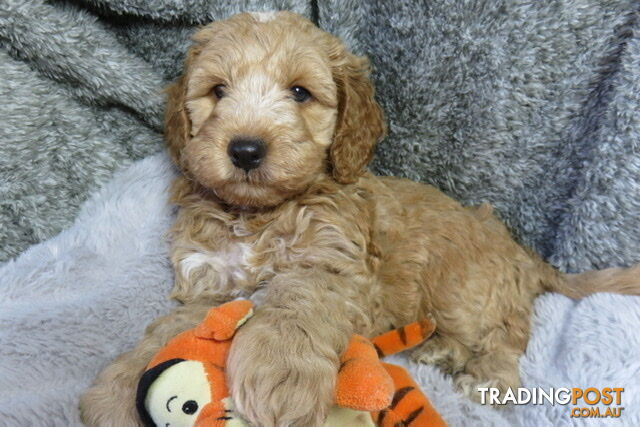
238	261
240	257
231	260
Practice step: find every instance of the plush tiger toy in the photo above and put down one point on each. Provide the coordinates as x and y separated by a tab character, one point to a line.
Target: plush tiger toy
184	384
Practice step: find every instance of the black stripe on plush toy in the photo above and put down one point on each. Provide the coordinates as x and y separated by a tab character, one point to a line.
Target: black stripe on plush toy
143	388
399	395
403	335
379	351
412	416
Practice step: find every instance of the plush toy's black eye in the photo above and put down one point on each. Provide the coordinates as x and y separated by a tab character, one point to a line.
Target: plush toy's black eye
190	407
300	94
219	91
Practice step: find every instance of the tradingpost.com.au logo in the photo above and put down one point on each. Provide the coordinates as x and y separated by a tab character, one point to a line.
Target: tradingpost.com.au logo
582	400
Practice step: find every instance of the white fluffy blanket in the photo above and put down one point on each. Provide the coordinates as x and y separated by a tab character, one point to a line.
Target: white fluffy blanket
69	305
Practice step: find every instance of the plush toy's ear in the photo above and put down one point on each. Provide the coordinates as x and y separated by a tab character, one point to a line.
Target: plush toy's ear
222	321
360	123
363	383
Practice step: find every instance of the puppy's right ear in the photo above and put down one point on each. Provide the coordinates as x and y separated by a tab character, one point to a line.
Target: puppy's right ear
177	125
360	122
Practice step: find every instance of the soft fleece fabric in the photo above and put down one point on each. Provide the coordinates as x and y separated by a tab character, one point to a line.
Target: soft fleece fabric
531	106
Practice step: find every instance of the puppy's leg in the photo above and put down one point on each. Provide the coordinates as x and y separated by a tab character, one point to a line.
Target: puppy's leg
111	399
493	369
497	367
444	352
480	354
284	362
480	341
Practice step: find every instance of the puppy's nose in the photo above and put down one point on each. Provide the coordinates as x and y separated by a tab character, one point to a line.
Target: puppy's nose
246	153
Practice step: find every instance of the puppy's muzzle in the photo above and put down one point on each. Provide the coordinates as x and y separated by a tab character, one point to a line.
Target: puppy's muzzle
246	153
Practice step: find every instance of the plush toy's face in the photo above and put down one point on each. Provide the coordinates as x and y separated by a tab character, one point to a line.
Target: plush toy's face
178	395
181	397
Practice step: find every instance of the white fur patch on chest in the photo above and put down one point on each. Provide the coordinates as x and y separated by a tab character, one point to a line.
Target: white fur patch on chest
230	264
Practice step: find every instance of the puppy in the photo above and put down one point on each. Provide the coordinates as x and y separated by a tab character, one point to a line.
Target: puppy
272	125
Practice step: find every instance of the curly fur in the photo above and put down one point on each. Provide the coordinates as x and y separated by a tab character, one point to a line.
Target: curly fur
326	248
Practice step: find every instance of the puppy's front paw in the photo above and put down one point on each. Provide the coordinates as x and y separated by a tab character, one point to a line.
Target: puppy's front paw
281	379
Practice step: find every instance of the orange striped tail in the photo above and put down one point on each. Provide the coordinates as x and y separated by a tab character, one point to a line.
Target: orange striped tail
404	338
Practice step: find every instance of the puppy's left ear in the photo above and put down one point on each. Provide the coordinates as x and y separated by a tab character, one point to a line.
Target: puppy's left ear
360	123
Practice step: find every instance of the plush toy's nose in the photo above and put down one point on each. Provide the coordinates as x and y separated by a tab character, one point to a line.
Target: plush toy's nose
246	153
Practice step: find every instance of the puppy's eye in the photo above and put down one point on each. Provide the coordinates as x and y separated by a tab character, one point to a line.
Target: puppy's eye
219	91
300	94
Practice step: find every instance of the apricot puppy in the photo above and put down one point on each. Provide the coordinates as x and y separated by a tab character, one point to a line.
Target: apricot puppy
273	123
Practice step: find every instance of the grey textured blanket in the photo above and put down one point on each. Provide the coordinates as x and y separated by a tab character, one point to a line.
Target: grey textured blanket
532	106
